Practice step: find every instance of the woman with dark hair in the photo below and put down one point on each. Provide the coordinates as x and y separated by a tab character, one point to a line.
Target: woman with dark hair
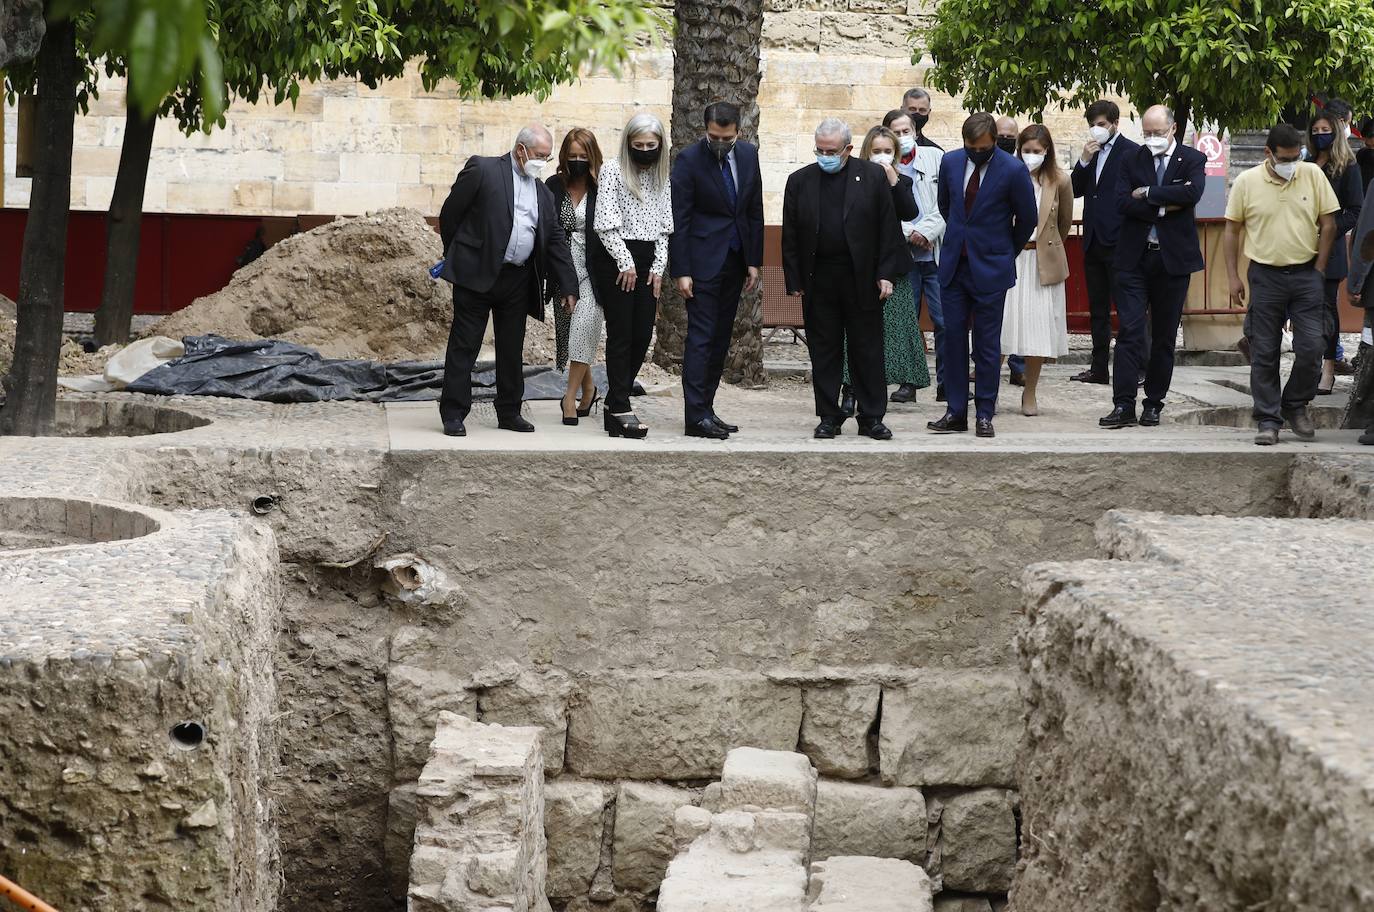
579	331
1329	150
1034	322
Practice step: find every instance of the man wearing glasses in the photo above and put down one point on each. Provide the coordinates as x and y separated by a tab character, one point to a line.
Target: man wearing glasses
502	241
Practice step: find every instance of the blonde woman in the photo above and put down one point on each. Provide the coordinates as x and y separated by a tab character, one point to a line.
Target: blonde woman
634	217
1034	321
1330	150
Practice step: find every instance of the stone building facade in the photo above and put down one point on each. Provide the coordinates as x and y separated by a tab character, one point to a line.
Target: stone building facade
346	149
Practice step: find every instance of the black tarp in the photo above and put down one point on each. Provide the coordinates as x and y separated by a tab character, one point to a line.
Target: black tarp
270	370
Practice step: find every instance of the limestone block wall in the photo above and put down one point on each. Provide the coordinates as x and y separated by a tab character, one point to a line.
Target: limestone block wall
137	689
346	149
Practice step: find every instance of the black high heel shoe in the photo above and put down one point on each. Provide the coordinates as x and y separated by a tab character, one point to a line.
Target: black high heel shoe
626	425
569	421
596	397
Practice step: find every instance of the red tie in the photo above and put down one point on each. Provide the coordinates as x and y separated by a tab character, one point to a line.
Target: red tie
971	192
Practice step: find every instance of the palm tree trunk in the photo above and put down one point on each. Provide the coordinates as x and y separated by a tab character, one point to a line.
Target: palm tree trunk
715	58
124	230
31	386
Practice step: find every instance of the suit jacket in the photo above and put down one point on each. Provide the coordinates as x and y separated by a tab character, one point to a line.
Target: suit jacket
703	219
871	228
1002	221
1101	217
599	260
1360	265
475	224
1185	177
1056	221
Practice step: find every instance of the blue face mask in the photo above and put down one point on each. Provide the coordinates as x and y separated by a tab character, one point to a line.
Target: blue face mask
830	163
1323	141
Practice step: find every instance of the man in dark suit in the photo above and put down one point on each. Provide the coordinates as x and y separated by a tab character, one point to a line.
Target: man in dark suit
1157	252
715	252
842	248
988	201
503	242
1094	179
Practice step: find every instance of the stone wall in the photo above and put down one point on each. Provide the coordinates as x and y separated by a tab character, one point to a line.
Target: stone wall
346	149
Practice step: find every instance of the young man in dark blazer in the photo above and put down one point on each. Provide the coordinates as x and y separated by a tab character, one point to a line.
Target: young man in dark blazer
989	204
1157	252
715	253
1094	178
842	248
503	242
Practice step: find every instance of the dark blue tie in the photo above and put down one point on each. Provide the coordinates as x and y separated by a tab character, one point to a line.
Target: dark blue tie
731	194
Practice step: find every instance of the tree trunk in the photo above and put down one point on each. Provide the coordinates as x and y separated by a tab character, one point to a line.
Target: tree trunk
123	230
1183	112
31	386
715	58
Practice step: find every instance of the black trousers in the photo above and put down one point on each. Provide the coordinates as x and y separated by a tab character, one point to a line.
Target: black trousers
629	328
830	314
1331	298
1278	295
1099	273
507	304
1149	303
710	319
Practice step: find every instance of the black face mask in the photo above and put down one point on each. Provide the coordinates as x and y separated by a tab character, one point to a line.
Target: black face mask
919	121
720	147
646	157
979	157
1007	144
578	169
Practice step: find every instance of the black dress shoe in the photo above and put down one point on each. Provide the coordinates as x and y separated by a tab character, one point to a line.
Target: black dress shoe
1088	376
515	423
1367	438
939	392
455	428
905	393
1018	378
727	428
828	429
847	400
707	428
949	424
984	428
875	429
1121	417
1149	416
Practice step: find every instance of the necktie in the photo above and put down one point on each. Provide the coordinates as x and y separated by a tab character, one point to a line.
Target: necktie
1161	162
971	191
732	195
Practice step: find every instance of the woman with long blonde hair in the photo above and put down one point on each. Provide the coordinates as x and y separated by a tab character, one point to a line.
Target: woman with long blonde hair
634	218
1329	149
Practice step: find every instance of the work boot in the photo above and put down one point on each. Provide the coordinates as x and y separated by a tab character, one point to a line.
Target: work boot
1301	423
905	393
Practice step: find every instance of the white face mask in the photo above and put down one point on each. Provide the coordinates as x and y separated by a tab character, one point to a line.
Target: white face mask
1100	134
1345	131
1033	160
1157	144
534	167
906	143
1285	170
881	158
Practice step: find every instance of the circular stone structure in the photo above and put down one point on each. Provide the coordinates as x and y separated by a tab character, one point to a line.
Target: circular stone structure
27	523
116	418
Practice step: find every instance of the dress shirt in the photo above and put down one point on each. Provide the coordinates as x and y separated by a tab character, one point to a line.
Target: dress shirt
525	216
1102	156
968	173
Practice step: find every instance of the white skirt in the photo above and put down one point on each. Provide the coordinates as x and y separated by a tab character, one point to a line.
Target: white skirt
1035	323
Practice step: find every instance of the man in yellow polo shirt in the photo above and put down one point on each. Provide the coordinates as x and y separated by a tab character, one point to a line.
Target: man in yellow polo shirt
1284	206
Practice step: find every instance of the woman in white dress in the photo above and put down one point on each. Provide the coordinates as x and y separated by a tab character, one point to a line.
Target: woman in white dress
1035	324
574	190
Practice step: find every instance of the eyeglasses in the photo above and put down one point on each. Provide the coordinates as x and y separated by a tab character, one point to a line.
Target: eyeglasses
839	151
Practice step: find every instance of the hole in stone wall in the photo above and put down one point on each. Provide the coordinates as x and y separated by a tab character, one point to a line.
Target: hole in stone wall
188	736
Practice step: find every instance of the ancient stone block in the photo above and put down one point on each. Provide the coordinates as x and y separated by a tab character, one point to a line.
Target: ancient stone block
643	839
853	819
724	872
978	837
854	884
415	697
835	725
771	780
950	728
793	31
574	813
533	698
962	904
676	726
480	802
871	35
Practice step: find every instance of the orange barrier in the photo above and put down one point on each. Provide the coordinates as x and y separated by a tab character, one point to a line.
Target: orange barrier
21	897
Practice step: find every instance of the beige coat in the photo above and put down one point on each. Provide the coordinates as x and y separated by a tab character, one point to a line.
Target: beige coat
1056	220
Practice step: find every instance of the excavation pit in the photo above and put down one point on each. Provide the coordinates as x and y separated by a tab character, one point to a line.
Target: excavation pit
51	522
121	418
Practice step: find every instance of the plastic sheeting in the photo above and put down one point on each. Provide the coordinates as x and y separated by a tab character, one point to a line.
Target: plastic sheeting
270	370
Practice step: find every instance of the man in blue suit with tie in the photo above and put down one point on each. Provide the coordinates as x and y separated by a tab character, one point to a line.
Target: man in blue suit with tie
715	252
988	201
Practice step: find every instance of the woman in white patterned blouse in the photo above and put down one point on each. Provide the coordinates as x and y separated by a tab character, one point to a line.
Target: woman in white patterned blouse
634	216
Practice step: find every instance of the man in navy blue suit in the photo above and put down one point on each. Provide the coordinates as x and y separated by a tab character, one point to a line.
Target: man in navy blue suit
988	202
1094	179
1157	252
715	252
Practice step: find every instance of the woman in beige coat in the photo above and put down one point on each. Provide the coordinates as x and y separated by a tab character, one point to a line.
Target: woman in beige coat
1035	324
